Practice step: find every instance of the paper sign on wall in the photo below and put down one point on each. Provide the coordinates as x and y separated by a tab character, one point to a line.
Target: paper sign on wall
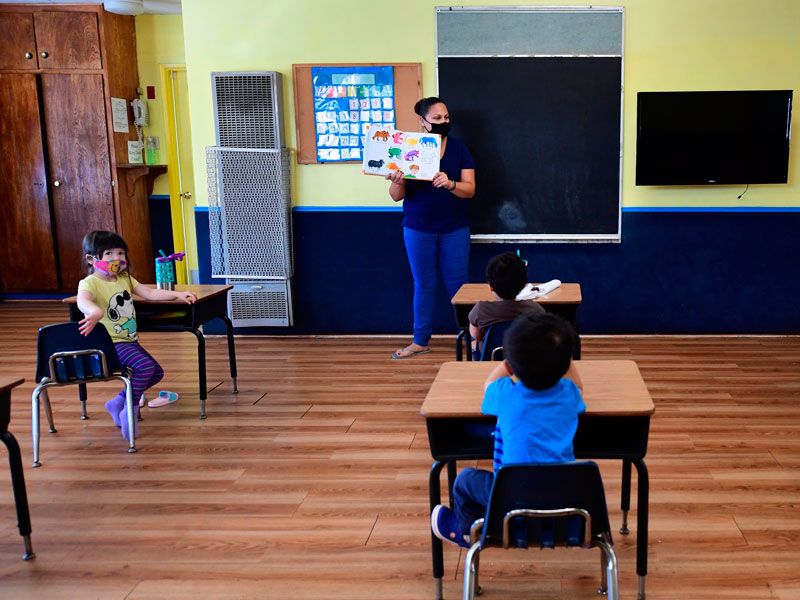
415	154
119	115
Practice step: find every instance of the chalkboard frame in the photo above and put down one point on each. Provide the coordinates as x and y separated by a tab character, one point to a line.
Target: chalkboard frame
505	32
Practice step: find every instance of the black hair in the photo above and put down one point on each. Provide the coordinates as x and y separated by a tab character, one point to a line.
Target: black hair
507	274
97	242
538	347
423	106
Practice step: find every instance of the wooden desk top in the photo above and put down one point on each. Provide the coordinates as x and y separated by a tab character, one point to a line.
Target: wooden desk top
611	387
203	292
472	293
6	383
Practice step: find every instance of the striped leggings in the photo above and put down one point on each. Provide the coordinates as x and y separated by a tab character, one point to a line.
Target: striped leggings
145	371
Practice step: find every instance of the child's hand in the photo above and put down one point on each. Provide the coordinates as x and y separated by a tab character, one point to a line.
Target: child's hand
89	321
187	297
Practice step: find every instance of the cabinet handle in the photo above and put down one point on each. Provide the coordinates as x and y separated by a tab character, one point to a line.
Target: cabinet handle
29	55
56	183
187	195
44	54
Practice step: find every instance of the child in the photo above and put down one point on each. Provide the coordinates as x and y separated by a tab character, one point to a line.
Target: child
506	275
106	296
536	417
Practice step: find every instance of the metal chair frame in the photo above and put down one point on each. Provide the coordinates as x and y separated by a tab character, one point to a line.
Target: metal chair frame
608	560
52	381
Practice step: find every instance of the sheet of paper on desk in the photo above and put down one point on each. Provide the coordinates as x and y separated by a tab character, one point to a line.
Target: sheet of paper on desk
531	292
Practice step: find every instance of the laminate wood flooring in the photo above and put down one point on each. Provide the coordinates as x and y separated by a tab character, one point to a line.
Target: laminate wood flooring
311	483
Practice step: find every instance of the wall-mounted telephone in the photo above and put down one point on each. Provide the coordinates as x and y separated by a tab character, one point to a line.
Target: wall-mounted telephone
140	116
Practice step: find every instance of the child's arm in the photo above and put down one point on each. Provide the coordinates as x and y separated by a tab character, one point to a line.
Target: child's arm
572	373
149	293
92	312
503	369
475	332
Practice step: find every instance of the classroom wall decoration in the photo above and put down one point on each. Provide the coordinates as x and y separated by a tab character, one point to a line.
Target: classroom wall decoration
335	102
346	101
386	150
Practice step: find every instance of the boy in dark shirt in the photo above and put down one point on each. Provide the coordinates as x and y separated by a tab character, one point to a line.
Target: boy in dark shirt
506	275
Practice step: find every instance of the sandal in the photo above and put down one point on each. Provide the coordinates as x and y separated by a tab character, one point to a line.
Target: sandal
398	354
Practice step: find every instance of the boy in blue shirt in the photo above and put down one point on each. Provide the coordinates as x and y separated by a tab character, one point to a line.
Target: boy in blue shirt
537	416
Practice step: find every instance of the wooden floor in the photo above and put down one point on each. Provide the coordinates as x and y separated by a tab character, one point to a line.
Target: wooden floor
311	483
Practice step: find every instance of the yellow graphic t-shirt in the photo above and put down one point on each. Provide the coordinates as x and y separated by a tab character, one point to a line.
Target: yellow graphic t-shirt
115	298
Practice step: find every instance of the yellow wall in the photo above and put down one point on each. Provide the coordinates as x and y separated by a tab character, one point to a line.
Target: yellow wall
159	41
669	45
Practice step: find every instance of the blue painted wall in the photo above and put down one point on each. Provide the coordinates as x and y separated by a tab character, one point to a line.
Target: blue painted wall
695	271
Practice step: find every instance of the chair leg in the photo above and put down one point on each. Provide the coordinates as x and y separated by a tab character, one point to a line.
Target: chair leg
471	572
83	395
610	570
35	423
48	411
131	413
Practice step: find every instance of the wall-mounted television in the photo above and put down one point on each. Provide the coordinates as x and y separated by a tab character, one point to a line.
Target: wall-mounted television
700	138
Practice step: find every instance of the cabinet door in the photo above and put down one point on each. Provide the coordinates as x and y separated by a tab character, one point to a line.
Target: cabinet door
80	171
18	50
67	40
26	250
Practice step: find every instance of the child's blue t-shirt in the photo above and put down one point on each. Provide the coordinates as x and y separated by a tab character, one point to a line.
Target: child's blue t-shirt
438	210
533	426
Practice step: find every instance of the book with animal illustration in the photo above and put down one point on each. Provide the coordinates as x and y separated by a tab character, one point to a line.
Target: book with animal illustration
415	154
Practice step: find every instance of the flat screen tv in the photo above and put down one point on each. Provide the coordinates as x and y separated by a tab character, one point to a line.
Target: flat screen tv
697	138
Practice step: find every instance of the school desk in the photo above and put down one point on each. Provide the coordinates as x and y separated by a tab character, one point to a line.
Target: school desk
563	301
176	315
615	426
15	462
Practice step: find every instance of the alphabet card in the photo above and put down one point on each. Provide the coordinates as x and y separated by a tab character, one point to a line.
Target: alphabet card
387	150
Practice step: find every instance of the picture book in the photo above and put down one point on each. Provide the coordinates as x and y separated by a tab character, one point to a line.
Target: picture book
415	154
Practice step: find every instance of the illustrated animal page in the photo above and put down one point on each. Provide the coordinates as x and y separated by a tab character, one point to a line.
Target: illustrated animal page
387	150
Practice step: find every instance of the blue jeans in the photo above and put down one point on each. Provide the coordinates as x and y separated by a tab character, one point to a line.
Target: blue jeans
471	491
428	252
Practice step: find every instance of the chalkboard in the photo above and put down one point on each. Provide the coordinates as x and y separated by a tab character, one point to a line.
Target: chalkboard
545	135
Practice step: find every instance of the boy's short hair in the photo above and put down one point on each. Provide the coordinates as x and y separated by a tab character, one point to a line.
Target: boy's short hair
538	347
98	241
507	274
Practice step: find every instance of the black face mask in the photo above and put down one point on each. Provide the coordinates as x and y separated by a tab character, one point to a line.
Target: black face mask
439	128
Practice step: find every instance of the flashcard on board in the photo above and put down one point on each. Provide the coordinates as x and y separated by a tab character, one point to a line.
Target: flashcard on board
415	154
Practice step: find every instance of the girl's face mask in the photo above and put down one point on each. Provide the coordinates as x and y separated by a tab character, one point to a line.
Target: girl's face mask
111	267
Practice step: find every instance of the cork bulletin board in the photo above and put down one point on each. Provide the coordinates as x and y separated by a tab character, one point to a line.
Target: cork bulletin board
407	90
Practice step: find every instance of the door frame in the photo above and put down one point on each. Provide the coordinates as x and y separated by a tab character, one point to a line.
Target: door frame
177	212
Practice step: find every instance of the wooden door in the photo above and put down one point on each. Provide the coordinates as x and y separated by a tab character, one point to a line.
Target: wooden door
18	47
80	170
26	251
68	40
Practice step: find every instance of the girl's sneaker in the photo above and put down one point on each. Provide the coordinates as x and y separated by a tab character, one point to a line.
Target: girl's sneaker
444	525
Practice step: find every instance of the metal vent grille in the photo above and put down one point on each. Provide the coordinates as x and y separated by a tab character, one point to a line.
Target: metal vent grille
260	303
249	205
248	109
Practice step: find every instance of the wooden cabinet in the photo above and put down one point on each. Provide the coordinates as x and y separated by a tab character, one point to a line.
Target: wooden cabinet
17	43
25	227
59	177
78	50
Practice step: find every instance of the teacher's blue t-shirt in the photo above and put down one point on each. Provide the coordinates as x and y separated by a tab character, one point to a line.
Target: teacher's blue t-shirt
438	210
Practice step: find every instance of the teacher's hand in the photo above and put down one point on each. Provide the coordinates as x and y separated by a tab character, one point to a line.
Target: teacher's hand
395	176
441	180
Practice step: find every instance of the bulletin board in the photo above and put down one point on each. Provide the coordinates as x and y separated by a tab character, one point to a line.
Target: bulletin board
407	89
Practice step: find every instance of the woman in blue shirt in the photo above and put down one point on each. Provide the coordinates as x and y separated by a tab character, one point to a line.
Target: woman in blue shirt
435	227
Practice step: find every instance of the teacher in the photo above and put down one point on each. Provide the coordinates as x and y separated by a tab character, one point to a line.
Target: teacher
435	226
